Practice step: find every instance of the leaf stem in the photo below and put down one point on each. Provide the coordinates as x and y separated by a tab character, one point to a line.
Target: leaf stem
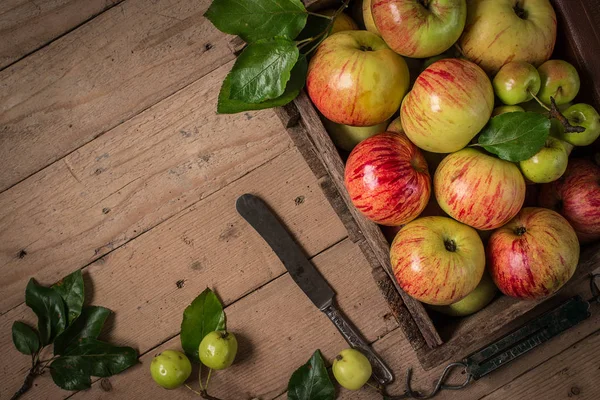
208	378
200	377
302	42
539	101
192	389
319	15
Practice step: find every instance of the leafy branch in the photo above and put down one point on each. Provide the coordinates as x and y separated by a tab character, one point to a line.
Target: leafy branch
73	330
271	71
554	112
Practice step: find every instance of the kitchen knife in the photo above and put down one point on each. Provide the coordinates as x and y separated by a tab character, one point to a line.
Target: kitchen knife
260	217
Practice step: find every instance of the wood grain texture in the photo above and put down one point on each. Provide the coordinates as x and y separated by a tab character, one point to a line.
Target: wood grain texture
25	26
570	374
207	245
278	328
126	182
91	80
330	158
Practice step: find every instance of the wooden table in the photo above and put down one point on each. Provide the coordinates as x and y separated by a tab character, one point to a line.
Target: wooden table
113	160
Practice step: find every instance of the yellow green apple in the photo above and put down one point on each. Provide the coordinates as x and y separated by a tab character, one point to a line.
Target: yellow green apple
548	164
516	82
437	260
480	297
559	80
500	31
351	369
395	126
355	79
346	137
581	115
419	28
450	102
506	109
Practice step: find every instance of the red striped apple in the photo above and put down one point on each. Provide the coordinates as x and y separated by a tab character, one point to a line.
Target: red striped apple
576	195
419	28
500	31
478	189
355	79
437	260
448	105
387	179
533	255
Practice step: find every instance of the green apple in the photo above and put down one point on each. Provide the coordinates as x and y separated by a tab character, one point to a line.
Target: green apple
346	137
549	164
368	17
480	297
559	80
499	31
419	28
170	369
506	109
351	369
355	79
581	115
217	349
515	82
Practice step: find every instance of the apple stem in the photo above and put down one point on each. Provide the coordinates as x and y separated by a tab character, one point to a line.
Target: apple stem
319	15
554	112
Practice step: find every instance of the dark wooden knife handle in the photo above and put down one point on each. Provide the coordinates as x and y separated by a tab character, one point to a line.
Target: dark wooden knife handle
381	372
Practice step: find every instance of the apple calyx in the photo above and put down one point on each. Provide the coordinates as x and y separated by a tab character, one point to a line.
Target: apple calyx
424	3
520	231
366	48
339	357
450	245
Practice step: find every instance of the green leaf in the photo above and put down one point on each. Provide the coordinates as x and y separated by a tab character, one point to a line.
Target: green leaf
67	374
314	26
90	357
203	316
262	71
515	136
49	307
70	289
253	20
226	105
87	325
311	381
25	338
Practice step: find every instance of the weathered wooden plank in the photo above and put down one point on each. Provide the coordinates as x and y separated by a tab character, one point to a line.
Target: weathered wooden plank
278	329
329	157
25	26
89	81
207	244
127	181
570	374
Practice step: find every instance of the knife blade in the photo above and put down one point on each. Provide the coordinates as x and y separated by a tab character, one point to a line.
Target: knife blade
307	277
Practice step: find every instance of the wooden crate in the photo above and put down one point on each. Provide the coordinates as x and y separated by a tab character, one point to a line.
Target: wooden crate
440	340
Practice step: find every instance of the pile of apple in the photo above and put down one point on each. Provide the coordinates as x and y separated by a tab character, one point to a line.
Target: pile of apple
359	80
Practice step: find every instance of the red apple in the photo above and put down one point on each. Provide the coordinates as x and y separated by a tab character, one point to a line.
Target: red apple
387	179
479	190
419	28
533	255
576	195
355	79
437	260
448	105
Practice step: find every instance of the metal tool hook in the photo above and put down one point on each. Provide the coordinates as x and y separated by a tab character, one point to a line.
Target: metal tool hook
409	393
